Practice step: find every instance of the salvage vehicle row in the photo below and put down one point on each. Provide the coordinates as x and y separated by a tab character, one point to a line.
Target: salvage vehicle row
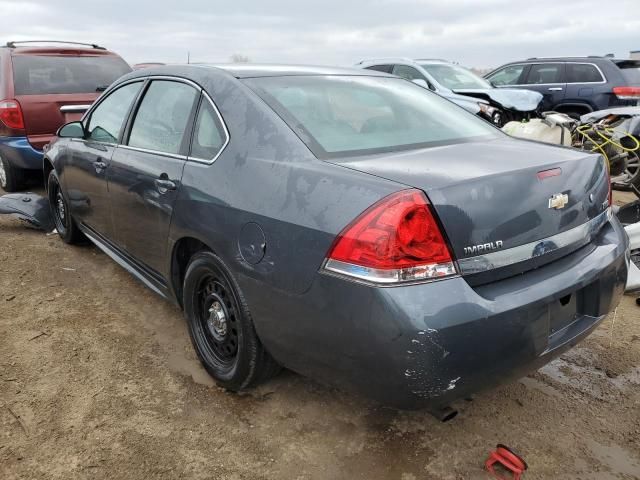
346	224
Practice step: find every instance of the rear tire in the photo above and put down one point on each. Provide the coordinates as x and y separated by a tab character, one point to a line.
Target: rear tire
11	178
632	173
221	327
64	222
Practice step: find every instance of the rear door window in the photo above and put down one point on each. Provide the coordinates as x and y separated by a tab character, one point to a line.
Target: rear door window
51	74
583	73
209	135
163	116
107	119
545	73
381	68
411	74
408	72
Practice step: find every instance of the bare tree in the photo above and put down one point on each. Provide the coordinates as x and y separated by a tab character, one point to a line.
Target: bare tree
239	58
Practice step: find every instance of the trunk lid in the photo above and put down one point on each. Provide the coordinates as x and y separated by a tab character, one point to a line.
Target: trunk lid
489	197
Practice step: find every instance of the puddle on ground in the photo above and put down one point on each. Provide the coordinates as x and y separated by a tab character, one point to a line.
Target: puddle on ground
534	384
587	380
625	380
619	460
192	368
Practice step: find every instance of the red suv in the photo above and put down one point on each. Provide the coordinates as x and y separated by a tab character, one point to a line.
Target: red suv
41	88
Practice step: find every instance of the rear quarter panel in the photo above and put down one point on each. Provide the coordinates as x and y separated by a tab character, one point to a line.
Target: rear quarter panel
268	177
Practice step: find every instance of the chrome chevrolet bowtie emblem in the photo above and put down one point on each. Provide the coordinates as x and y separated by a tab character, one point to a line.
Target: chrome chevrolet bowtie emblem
558	200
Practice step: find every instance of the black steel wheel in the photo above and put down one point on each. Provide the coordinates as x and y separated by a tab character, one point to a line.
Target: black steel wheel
221	327
217	312
65	225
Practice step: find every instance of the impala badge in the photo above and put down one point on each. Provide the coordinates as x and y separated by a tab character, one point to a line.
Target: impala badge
558	200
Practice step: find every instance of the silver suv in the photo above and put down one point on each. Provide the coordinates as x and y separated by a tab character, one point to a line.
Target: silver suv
462	87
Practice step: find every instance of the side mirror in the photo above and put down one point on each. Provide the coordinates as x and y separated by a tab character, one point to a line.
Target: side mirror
421	81
72	130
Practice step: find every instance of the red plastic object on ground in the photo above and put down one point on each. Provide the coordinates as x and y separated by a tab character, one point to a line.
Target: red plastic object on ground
508	459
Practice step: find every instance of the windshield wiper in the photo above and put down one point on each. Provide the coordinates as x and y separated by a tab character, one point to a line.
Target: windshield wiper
101	88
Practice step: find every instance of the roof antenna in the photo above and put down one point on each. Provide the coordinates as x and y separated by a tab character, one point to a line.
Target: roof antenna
188	57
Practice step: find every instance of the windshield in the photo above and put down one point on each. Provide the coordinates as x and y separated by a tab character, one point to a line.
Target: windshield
50	74
347	115
454	77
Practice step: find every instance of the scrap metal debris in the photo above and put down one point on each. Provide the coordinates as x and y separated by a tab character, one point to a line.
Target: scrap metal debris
19	420
29	207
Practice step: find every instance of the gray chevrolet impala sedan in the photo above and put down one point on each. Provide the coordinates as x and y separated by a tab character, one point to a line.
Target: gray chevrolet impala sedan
345	224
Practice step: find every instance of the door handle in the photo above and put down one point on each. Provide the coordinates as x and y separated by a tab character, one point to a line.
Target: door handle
99	166
555	89
164	184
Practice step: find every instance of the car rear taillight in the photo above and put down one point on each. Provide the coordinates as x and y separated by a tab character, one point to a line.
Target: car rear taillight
11	114
627	93
396	240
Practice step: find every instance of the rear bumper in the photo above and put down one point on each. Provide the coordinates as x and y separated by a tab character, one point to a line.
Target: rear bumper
426	345
20	154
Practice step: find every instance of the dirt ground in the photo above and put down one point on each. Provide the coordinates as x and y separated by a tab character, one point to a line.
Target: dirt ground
98	379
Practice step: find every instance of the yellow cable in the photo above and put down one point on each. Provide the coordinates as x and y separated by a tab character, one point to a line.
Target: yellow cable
608	140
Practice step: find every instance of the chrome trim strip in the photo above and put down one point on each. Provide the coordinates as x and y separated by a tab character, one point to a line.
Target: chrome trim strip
102	245
556	83
398	276
134	80
577	237
224	127
172	155
74	108
155	152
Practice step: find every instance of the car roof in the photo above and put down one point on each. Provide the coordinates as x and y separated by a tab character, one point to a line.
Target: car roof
589	59
401	60
252	70
432	60
54	47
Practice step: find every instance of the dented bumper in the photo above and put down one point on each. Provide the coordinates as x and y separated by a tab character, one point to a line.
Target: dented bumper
466	339
426	345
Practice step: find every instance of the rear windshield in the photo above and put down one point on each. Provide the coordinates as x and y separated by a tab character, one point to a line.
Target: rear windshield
48	74
349	115
630	72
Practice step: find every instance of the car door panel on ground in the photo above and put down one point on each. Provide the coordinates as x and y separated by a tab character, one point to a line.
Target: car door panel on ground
88	160
145	172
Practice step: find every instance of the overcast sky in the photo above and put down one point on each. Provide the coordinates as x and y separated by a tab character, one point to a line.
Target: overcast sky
481	33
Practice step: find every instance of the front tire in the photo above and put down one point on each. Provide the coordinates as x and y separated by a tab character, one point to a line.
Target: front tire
11	178
64	222
221	327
